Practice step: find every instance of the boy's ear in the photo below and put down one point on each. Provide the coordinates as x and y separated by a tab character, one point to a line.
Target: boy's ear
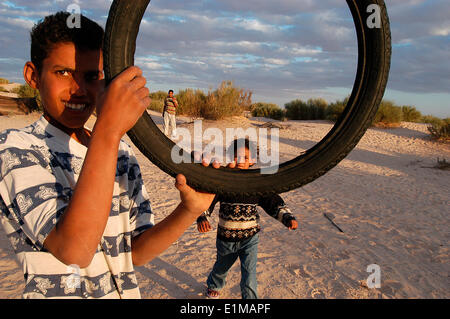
31	75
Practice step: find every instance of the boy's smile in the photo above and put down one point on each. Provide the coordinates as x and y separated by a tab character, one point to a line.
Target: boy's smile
69	83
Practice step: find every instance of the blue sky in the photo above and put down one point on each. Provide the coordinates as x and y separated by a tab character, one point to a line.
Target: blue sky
280	50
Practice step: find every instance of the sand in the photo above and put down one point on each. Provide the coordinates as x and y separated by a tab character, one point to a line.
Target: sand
387	196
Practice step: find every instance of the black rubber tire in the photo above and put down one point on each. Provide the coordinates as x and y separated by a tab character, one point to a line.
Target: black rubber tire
374	53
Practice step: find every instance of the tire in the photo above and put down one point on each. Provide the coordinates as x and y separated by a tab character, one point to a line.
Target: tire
374	53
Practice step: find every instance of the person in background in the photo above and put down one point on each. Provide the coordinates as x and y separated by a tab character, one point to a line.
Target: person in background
169	115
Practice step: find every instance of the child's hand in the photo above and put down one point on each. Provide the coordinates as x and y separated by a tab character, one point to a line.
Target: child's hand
206	159
122	103
196	202
204	226
292	224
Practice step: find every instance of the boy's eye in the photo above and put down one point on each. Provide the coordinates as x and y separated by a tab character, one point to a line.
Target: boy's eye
64	73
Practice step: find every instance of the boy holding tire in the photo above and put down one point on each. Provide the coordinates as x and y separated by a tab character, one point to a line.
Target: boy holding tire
237	232
72	201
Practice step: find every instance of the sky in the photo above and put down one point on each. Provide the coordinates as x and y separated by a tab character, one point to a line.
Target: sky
280	50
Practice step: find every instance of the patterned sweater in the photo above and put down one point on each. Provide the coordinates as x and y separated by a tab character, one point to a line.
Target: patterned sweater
239	221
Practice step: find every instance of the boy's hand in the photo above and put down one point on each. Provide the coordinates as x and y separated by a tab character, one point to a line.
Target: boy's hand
292	224
123	102
196	202
204	226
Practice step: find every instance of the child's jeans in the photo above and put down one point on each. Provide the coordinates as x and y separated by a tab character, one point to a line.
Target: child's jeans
227	253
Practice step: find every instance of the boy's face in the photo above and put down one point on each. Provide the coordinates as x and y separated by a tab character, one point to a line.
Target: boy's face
243	158
69	84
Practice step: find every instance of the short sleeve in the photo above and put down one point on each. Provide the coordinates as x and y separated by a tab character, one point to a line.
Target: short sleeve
141	214
32	196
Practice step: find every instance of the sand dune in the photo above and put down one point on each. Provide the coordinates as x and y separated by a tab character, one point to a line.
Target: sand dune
386	196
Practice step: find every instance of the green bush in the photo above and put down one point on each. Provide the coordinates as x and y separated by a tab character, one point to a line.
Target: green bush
440	131
268	110
334	110
296	110
433	120
191	102
388	113
410	114
317	109
158	95
26	91
313	109
227	100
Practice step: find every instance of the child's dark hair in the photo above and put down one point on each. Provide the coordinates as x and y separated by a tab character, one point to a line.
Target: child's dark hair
239	142
54	29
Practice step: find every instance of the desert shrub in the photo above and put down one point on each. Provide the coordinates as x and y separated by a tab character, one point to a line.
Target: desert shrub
317	109
156	105
227	100
388	113
191	102
410	114
158	95
268	110
296	110
433	120
26	91
313	109
440	130
335	109
4	81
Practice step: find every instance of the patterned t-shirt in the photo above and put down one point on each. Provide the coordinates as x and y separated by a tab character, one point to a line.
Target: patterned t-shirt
39	168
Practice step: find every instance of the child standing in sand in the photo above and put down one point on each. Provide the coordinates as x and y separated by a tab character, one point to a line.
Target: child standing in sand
72	201
237	232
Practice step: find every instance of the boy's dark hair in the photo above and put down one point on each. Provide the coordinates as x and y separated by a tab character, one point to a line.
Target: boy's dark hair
54	29
239	142
170	91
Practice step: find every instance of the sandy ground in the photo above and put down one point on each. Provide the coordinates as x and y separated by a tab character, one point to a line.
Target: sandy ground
387	197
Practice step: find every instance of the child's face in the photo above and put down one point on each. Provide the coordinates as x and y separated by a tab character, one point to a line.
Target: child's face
69	84
243	158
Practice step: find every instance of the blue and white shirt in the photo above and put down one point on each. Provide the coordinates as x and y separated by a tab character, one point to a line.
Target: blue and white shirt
39	168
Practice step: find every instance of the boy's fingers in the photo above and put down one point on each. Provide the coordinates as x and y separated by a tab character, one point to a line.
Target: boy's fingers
129	74
139	82
143	92
180	182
